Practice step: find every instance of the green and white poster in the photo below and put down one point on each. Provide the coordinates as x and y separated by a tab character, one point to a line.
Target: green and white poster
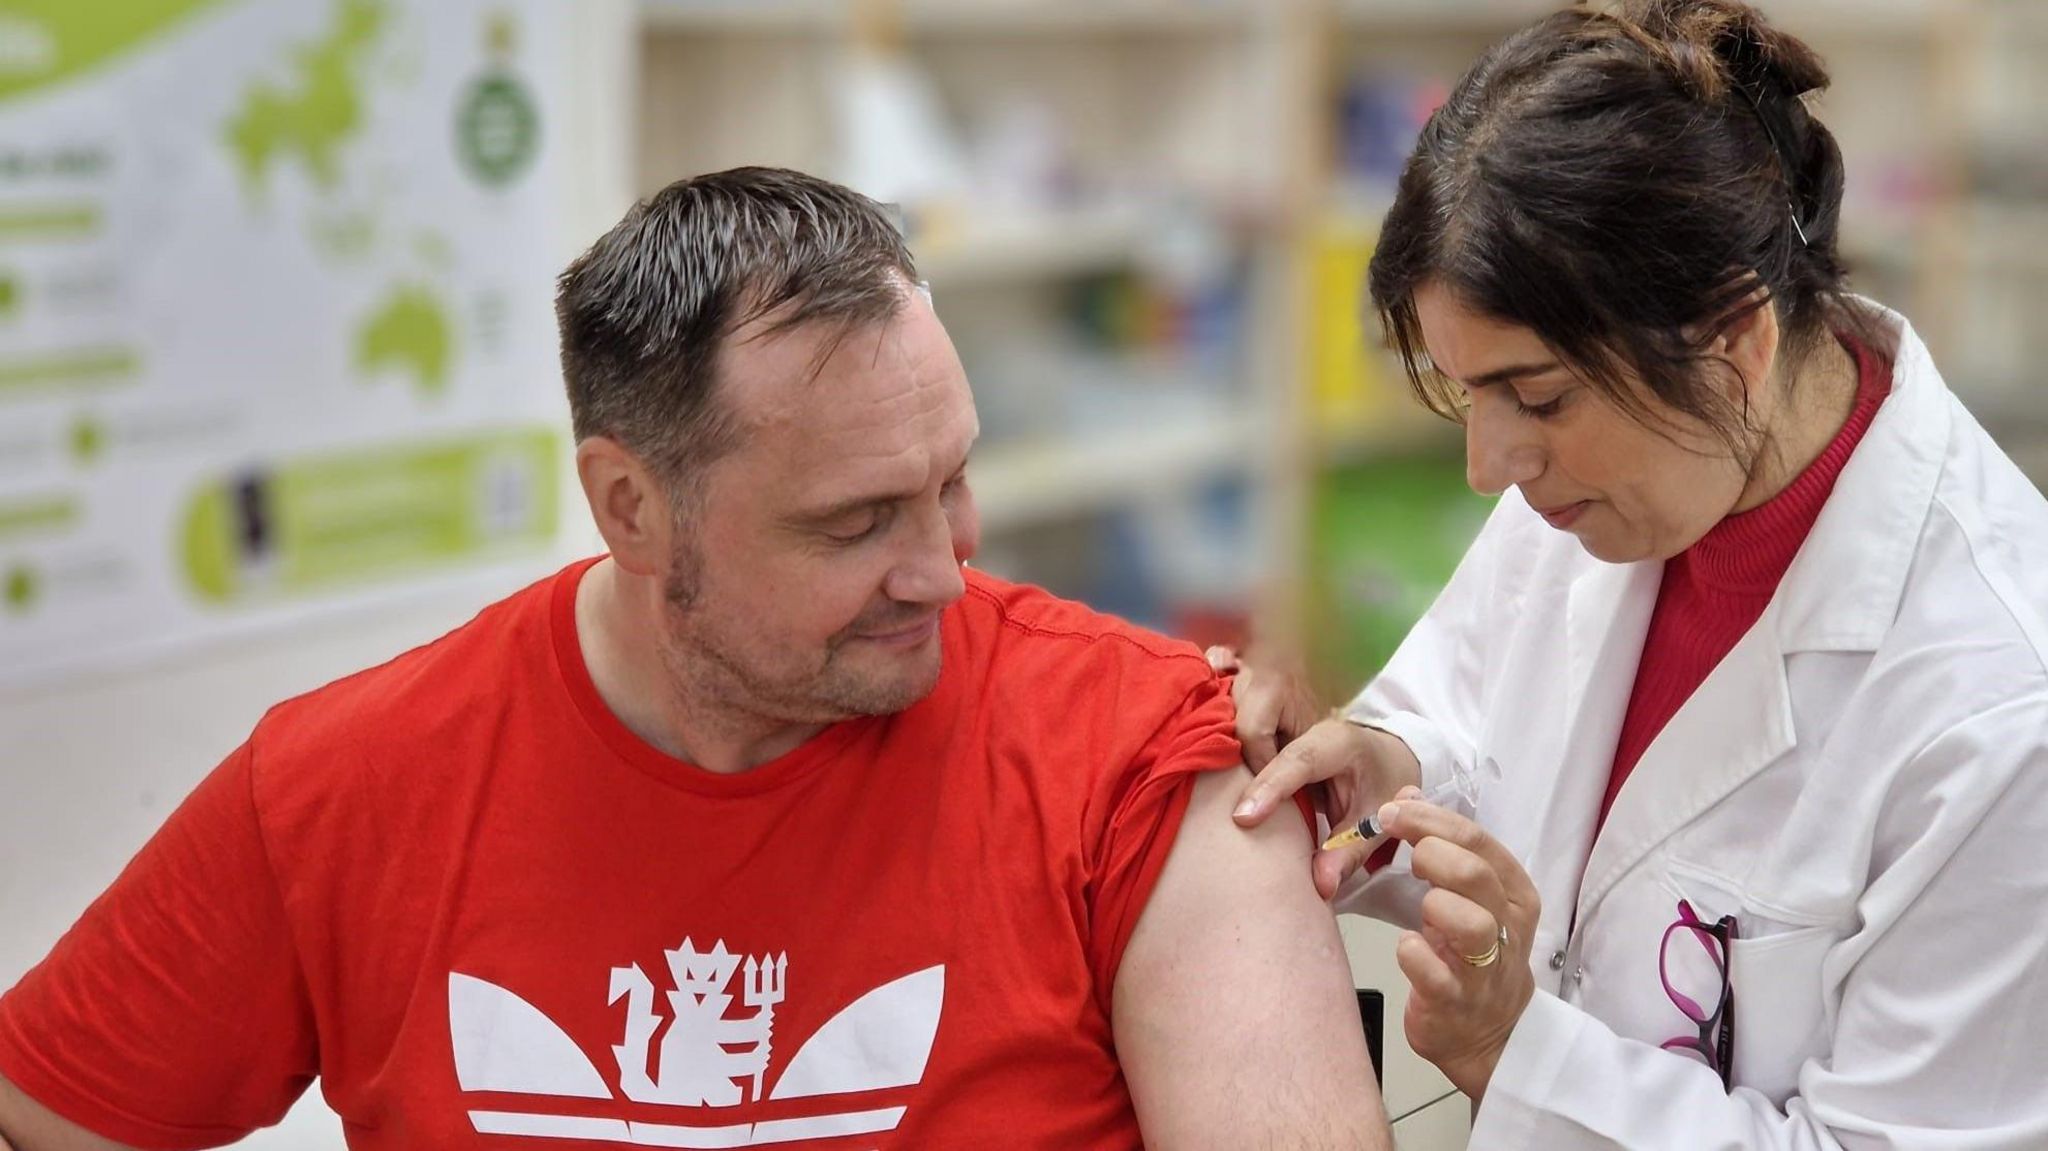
275	323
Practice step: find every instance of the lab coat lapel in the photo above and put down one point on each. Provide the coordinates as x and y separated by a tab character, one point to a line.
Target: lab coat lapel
1607	616
1734	725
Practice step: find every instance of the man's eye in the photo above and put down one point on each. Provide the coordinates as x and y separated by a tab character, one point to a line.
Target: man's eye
855	528
853	533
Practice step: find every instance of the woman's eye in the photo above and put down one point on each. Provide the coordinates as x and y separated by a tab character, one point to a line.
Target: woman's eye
1542	411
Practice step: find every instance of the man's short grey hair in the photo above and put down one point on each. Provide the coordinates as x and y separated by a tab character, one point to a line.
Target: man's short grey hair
646	310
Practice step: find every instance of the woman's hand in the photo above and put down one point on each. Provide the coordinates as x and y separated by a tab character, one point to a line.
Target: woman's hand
1274	704
1465	997
1290	746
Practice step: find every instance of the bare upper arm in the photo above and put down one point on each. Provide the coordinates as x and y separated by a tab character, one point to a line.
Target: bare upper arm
26	1125
1233	1008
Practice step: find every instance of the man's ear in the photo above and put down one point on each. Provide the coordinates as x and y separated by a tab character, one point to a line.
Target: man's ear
1749	343
629	504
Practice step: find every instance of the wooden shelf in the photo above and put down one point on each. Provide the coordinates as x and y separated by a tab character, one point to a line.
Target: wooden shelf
1828	23
1825	20
998	250
953	17
1442	17
1828	20
1023	483
1066	17
746	16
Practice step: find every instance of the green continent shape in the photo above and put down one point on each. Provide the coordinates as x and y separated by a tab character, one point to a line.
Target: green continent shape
63	39
317	117
21	588
409	331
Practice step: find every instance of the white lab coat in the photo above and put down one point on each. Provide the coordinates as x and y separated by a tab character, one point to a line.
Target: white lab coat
1862	782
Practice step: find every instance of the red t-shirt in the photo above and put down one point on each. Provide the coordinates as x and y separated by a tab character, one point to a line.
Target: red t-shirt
458	890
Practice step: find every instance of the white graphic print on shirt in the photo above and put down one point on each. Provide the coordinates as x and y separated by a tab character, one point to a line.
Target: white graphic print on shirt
882	1039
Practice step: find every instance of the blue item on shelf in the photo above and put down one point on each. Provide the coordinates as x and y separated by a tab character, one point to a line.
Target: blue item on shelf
1380	116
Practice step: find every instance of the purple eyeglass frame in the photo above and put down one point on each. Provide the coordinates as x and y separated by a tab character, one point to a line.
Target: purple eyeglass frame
1715	1042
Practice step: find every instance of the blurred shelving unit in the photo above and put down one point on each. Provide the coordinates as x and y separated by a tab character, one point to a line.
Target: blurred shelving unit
1990	249
1246	149
1249	147
1097	193
1029	483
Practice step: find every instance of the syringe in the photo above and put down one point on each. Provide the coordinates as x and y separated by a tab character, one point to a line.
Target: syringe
1460	786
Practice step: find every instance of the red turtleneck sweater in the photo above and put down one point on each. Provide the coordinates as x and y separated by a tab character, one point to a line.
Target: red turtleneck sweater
1717	589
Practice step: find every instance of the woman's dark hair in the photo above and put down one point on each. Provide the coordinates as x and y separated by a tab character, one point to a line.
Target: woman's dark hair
1623	183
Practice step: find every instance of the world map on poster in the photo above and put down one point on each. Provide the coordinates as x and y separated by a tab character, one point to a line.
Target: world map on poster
275	321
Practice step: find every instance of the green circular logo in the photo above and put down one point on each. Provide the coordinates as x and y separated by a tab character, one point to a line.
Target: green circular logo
497	131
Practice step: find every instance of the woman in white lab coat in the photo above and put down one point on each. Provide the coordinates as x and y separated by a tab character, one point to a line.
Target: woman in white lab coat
1743	679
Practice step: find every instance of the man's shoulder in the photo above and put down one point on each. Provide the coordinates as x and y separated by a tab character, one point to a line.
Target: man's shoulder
1020	618
1067	663
424	697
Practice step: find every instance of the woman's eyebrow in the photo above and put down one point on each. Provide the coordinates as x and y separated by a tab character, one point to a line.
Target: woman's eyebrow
1510	374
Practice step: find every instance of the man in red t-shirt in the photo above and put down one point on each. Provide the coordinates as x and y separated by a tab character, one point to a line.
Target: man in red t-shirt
773	827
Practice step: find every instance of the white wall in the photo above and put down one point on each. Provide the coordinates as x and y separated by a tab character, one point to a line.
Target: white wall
90	766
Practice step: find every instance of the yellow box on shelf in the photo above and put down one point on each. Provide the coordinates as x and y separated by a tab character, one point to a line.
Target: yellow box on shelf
1349	393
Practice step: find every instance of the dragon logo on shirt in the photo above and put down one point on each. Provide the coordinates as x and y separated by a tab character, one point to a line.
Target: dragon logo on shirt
698	1066
717	1052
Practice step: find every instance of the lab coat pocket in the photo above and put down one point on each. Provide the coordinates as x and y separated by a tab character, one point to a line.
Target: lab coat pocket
1775	969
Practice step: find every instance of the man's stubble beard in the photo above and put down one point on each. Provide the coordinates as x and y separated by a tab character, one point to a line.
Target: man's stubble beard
709	665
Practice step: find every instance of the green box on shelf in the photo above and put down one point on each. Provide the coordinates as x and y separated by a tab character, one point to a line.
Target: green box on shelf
1385	535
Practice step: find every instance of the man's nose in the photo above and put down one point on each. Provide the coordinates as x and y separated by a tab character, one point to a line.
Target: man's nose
929	571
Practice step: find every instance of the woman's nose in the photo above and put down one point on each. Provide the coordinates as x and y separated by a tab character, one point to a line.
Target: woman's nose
1501	449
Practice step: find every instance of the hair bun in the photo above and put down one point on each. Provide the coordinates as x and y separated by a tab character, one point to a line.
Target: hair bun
1726	50
1717	44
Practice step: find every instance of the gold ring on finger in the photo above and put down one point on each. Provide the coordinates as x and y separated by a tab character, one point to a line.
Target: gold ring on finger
1491	954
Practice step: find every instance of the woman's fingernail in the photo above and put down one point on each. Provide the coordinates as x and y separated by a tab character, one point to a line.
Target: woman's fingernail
1389	813
1247	807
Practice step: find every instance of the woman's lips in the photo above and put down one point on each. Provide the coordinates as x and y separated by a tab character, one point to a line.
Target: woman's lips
1564	516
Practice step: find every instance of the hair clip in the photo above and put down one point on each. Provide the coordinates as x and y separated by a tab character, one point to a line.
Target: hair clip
1785	159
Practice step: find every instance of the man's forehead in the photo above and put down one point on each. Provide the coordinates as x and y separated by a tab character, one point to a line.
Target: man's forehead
835	364
879	415
768	375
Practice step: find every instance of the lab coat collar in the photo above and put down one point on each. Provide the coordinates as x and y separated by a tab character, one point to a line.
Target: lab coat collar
1843	588
1840	594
